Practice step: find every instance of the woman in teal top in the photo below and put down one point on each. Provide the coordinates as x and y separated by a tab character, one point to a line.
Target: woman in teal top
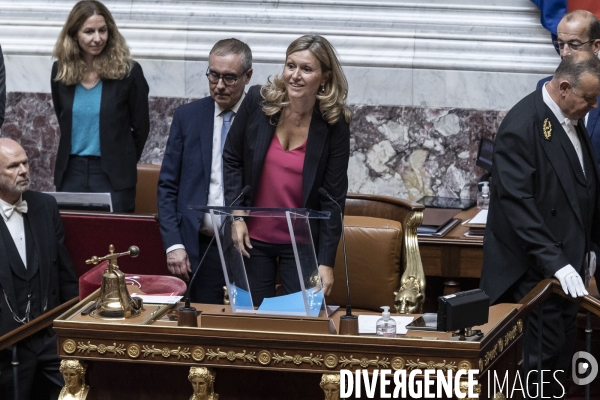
100	98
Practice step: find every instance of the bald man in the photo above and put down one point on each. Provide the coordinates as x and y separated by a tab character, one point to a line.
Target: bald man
36	275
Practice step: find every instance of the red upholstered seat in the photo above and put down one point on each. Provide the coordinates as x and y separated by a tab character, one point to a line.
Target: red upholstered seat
144	284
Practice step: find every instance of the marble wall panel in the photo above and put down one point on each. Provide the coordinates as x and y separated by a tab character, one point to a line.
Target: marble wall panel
400	151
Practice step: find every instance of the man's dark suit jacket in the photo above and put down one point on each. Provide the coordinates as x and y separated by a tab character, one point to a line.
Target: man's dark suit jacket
185	175
124	125
535	218
325	165
58	281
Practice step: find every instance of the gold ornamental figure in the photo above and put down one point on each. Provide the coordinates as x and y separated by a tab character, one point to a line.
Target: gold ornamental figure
203	383
114	300
330	383
73	372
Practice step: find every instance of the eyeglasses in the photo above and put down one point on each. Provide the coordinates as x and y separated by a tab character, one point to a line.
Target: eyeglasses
228	79
575	46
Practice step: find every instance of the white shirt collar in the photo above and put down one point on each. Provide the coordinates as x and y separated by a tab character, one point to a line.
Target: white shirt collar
4	204
235	108
562	118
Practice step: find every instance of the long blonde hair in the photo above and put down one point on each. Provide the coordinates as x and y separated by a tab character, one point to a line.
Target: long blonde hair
114	62
332	100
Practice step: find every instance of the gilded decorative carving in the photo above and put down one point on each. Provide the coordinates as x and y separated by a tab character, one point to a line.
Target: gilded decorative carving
264	357
73	373
166	352
330	384
331	361
500	345
411	294
510	335
364	362
198	353
69	346
481	364
464	388
499	396
297	359
443	366
133	351
519	327
203	383
398	363
101	348
491	355
231	355
464	364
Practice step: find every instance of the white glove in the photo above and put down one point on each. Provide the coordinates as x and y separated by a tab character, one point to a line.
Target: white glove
570	281
590	267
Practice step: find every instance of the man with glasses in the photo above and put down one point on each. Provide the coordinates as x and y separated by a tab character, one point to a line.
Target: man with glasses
191	171
579	30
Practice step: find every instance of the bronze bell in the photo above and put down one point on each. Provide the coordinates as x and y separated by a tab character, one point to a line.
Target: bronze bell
114	300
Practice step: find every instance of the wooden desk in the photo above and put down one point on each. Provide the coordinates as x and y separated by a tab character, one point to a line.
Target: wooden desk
135	362
453	256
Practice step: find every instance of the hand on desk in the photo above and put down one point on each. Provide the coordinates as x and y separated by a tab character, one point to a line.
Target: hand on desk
326	275
241	239
571	281
179	264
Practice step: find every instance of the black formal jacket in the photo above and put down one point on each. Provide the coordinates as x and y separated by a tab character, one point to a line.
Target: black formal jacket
325	165
539	196
58	281
124	125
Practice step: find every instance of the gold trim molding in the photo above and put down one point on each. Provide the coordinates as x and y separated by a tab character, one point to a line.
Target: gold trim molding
69	346
331	361
133	350
198	353
231	355
297	359
264	357
364	362
101	348
398	363
166	352
443	366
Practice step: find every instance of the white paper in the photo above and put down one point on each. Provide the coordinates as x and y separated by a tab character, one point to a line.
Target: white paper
368	324
480	218
149	299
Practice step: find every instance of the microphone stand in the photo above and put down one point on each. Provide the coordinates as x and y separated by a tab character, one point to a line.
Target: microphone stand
187	315
348	322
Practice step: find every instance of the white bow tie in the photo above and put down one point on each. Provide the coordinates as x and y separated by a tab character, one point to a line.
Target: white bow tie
20	207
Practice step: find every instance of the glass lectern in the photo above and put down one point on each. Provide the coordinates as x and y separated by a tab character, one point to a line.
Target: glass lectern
280	226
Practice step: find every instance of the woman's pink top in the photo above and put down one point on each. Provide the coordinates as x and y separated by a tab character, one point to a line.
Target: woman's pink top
280	186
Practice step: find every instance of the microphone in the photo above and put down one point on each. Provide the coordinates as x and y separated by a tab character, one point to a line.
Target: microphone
187	313
348	322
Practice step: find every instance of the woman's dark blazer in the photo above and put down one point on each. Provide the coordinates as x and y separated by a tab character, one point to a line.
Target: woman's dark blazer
124	125
325	165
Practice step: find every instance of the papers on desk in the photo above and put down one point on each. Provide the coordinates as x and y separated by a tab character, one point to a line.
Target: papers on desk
476	225
367	324
293	304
